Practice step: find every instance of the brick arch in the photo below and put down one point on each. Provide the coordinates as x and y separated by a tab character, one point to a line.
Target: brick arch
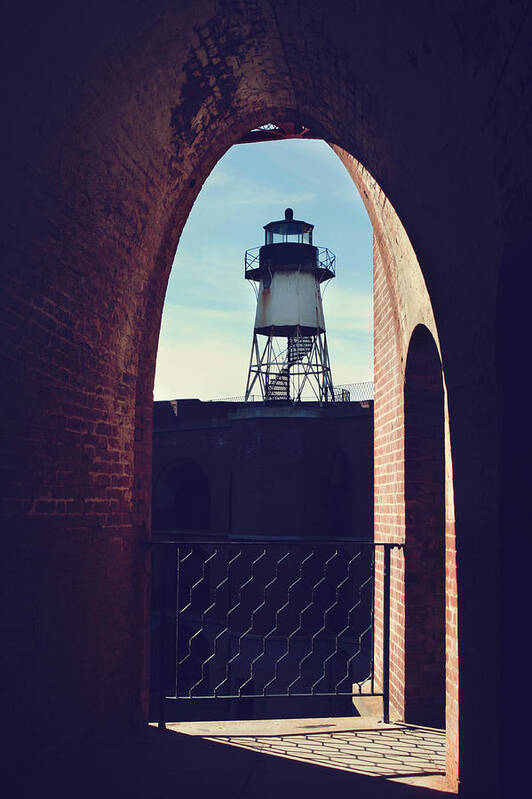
113	121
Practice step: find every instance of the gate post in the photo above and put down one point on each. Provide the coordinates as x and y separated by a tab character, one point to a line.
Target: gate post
162	650
386	637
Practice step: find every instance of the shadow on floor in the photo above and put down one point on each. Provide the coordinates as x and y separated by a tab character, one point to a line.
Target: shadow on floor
397	752
167	765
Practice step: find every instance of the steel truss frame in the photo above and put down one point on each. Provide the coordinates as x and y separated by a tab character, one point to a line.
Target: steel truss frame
286	366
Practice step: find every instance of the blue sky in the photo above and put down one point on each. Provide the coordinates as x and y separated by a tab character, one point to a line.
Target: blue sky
208	315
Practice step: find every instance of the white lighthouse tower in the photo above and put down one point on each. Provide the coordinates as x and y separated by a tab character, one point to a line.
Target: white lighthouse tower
289	354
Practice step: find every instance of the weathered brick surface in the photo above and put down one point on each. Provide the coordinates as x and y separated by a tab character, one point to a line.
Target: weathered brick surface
113	116
401	304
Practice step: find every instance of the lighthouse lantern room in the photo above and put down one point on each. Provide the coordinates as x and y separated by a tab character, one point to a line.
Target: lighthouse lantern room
289	356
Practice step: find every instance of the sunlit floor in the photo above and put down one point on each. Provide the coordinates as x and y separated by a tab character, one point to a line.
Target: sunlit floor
314	758
365	746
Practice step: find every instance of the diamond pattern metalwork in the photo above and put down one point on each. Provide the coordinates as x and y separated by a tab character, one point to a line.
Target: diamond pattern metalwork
275	619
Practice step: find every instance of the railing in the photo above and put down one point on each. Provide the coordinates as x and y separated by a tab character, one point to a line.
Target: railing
348	392
255	619
354	392
325	259
252	259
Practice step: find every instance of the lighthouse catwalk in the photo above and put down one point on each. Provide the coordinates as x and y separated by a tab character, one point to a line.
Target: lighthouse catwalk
289	356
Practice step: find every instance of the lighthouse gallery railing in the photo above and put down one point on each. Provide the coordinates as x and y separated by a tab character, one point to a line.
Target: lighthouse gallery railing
269	618
325	259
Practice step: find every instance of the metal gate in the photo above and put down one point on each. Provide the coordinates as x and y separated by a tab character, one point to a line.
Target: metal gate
253	619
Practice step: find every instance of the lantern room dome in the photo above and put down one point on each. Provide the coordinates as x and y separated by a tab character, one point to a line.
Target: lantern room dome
288	247
288	230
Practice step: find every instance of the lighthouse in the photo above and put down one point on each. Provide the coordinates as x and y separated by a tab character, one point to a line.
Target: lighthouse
289	356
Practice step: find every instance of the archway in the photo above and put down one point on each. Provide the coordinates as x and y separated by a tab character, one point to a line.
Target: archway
425	533
110	139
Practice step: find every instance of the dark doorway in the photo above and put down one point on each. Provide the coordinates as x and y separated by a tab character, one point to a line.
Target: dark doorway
425	533
340	496
181	497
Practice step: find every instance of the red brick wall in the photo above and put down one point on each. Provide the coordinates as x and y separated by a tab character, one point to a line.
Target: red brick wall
401	302
111	123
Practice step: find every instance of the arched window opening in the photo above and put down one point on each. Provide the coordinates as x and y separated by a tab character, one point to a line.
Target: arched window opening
290	459
425	533
210	306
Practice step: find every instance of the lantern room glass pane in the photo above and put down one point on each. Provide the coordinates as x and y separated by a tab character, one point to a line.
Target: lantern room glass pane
288	235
